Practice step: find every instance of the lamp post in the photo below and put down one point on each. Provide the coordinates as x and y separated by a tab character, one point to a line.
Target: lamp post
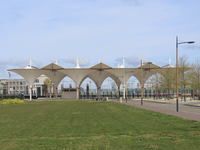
90	88
142	81
177	43
9	83
126	82
141	85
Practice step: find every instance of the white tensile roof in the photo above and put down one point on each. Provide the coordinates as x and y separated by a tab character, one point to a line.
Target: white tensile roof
98	73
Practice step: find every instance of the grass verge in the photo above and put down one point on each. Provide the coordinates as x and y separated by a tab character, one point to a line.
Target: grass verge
93	125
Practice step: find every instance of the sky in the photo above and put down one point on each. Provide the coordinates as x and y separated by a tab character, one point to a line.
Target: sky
107	30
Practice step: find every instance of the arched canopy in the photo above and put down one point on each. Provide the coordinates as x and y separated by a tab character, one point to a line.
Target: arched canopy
56	76
28	74
98	73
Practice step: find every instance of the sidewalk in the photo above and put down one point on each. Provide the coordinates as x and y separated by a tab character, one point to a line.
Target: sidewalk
184	111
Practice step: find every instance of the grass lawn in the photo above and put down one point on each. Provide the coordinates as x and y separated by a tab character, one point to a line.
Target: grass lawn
93	125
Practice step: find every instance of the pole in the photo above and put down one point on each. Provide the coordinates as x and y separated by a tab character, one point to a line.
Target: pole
2	91
31	93
117	89
63	90
90	89
161	88
177	73
56	91
141	86
126	85
9	85
77	92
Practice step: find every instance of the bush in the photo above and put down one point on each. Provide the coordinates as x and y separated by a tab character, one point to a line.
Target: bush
11	101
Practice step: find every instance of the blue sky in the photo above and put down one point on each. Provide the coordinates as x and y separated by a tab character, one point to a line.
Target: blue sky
93	30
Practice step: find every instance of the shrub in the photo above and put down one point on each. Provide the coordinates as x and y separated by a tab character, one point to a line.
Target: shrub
11	101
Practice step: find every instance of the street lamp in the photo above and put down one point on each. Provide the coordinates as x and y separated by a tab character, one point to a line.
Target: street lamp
142	82
9	83
189	42
126	83
90	88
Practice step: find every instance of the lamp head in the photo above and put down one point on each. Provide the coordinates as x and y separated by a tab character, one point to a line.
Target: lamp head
190	42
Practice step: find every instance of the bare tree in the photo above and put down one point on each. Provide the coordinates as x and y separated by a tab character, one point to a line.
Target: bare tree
195	76
160	83
168	79
155	83
184	74
48	83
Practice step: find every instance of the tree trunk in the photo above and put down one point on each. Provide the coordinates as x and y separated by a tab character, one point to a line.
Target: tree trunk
184	94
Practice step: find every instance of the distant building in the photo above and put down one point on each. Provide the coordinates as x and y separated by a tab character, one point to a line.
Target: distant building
19	86
146	85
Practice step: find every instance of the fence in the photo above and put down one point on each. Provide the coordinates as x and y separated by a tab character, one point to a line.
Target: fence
11	97
137	95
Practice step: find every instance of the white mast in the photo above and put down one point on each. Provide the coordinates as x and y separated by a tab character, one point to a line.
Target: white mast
30	62
118	64
123	62
77	63
170	61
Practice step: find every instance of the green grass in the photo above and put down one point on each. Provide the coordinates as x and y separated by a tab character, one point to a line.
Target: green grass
93	125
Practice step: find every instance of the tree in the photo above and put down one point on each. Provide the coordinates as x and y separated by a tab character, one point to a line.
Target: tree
167	79
48	83
155	82
184	73
195	76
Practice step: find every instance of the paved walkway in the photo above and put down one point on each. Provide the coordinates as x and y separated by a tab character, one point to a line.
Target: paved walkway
185	111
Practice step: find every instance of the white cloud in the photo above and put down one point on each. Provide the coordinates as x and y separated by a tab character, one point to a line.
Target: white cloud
18	63
82	62
15	63
133	61
100	29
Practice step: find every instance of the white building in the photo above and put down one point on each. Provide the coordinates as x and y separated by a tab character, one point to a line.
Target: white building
18	86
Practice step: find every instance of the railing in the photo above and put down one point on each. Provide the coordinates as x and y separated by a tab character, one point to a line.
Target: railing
145	95
11	96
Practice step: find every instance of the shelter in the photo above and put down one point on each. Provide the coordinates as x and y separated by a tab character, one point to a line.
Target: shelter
98	73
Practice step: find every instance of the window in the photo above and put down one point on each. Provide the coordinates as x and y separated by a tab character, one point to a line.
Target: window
21	83
36	81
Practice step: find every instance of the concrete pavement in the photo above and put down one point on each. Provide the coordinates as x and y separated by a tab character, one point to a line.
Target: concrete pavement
186	109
